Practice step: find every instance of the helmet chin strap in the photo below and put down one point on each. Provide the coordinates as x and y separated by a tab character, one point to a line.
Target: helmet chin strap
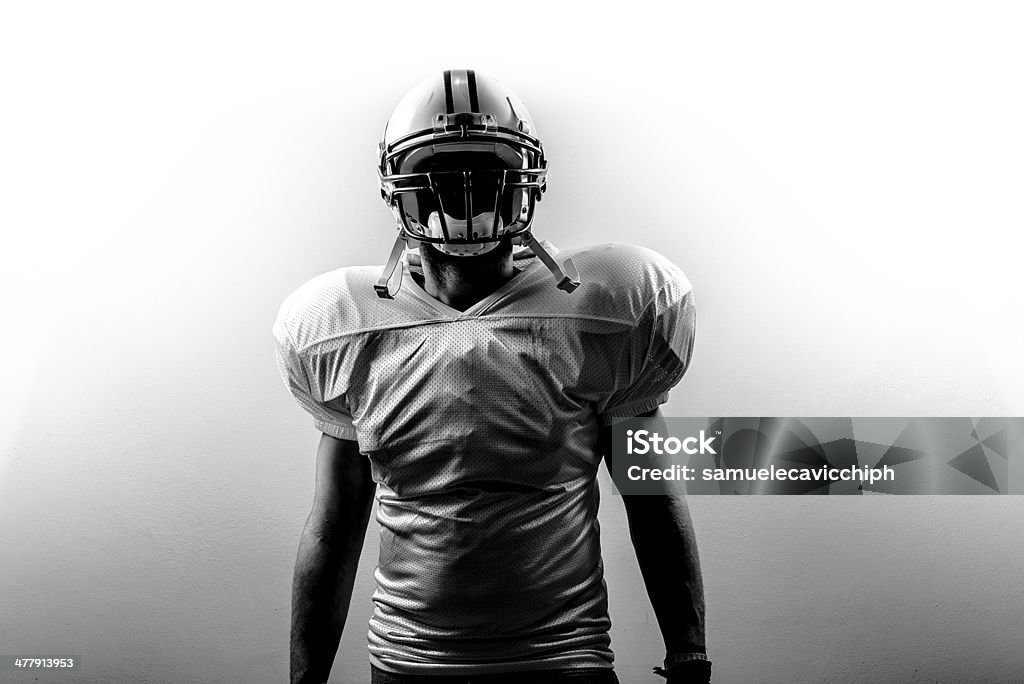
567	280
384	287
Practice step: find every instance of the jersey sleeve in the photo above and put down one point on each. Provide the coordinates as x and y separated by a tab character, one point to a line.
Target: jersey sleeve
657	354
329	420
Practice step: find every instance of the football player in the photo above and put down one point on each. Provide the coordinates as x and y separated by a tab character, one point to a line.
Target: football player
475	395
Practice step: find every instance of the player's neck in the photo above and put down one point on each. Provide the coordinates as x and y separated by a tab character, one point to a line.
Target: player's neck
461	282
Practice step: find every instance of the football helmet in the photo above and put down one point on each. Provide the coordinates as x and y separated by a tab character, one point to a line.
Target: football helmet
461	167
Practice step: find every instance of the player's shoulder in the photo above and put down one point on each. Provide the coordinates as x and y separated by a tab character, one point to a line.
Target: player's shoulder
618	282
628	265
330	305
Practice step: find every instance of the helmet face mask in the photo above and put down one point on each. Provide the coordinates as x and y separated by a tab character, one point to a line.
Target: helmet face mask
475	202
455	197
461	169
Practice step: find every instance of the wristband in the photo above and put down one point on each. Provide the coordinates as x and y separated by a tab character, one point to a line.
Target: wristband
676	658
693	668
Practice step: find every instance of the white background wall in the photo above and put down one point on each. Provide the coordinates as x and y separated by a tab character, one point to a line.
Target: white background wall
841	181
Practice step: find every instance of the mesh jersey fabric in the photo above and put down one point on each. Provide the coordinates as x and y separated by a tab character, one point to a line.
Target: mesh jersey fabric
481	429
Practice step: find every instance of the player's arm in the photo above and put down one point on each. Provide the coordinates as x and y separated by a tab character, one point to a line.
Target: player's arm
666	551
328	557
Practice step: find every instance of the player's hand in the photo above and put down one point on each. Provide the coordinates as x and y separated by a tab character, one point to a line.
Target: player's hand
691	672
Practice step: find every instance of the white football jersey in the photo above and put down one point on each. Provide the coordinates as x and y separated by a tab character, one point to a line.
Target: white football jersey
481	427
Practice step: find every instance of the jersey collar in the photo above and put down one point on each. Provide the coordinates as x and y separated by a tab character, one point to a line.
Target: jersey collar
524	260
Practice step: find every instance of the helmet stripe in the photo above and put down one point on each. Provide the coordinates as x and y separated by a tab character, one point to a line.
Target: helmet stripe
460	91
474	102
449	100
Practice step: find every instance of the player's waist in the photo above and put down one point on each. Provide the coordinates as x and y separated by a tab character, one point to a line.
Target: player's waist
575	636
518	542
